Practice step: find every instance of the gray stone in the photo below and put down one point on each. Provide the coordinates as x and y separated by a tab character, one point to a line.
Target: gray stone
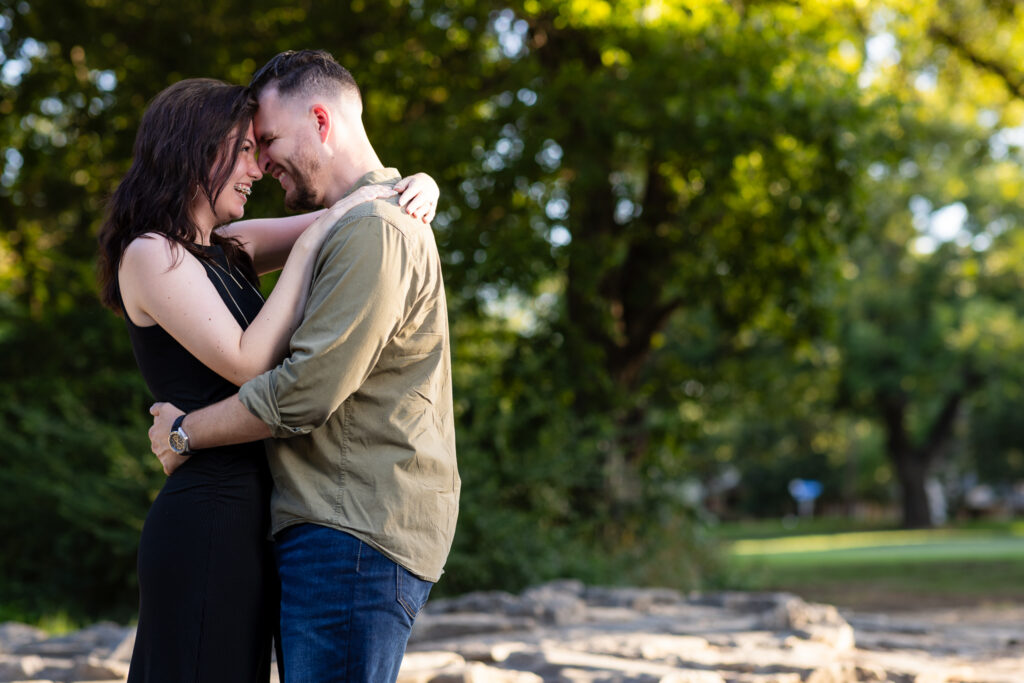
447	667
738	601
14	668
638	599
94	668
55	669
475	672
423	667
558	602
122	652
487	602
822	623
834	673
564	632
430	627
99	638
550	660
14	635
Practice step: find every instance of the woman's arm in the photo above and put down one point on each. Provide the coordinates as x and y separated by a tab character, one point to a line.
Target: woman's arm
163	286
268	240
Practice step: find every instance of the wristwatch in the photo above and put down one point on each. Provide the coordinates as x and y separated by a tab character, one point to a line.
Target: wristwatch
178	439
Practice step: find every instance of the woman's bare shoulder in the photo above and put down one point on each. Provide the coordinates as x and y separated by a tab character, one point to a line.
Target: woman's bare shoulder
152	250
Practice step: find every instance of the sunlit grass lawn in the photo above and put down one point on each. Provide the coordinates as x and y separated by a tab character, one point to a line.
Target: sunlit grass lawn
884	567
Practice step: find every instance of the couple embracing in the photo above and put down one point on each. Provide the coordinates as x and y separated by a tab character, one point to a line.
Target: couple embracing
346	365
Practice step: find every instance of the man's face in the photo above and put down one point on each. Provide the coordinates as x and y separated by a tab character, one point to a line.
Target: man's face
287	137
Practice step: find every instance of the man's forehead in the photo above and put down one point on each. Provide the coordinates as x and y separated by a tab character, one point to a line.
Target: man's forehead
269	113
262	123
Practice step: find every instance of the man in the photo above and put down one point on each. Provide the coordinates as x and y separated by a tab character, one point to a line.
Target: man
366	485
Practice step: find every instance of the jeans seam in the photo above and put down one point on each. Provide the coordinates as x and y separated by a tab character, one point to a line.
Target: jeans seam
400	595
359	555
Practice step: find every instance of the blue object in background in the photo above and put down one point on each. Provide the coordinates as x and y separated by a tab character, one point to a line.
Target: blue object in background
804	492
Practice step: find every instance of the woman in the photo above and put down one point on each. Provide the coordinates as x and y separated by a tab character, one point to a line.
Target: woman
199	327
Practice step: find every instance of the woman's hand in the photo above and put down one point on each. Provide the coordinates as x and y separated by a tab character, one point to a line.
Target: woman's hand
419	196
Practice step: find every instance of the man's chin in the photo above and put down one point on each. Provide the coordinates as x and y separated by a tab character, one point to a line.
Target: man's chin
301	201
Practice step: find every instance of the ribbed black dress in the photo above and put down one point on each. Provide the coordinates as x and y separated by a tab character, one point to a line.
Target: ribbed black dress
207	587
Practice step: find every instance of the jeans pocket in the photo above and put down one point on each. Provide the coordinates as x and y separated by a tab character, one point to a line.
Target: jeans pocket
411	591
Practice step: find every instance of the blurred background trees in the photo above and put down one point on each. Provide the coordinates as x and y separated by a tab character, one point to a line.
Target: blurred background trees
694	250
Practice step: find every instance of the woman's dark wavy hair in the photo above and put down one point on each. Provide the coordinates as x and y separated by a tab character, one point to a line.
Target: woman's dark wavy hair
188	141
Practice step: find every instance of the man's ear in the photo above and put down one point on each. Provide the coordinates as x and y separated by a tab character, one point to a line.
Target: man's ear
322	117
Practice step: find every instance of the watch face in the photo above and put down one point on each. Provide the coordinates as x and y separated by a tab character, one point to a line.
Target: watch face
177	441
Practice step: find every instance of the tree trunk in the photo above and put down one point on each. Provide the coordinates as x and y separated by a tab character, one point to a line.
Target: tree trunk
913	468
913	463
910	463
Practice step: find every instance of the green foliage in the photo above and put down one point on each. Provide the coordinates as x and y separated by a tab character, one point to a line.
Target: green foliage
679	237
533	504
75	468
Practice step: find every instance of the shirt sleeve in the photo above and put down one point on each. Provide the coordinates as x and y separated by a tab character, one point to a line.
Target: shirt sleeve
355	307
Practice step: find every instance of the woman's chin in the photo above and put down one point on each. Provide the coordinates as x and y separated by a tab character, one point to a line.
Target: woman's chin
230	216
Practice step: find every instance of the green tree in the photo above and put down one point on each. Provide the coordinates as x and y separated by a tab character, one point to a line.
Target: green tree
913	355
645	214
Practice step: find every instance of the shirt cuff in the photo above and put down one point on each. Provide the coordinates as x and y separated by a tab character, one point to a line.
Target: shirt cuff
258	396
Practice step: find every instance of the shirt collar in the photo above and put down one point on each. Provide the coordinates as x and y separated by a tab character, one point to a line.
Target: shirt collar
381	176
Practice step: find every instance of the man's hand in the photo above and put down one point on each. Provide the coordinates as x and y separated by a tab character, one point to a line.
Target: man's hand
164	415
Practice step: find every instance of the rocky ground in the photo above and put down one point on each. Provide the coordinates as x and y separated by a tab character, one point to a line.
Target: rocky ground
566	632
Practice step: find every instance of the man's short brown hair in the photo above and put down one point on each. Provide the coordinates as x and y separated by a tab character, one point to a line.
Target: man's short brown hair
304	72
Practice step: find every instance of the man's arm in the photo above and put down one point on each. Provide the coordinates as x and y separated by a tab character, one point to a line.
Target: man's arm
356	306
221	424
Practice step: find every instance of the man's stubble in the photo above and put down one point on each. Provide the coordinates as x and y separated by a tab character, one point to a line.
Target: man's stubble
303	197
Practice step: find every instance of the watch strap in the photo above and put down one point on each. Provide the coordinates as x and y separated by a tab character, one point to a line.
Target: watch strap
178	438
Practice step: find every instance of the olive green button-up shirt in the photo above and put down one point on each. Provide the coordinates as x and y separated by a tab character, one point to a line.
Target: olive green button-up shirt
361	410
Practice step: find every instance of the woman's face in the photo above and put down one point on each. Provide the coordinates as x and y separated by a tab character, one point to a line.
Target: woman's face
231	202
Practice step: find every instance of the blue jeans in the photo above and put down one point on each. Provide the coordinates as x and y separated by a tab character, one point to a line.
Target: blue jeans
346	609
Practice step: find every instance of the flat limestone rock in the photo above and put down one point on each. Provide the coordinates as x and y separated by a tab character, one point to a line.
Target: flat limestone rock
92	667
14	635
446	667
638	599
431	627
99	638
565	632
478	601
14	668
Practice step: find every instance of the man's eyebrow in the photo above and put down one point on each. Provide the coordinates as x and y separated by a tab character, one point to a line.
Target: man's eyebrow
262	138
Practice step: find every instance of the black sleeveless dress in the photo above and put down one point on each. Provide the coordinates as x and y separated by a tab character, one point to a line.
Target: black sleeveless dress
207	586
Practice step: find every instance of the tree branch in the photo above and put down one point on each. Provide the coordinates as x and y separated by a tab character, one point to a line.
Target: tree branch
942	427
893	408
1013	81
